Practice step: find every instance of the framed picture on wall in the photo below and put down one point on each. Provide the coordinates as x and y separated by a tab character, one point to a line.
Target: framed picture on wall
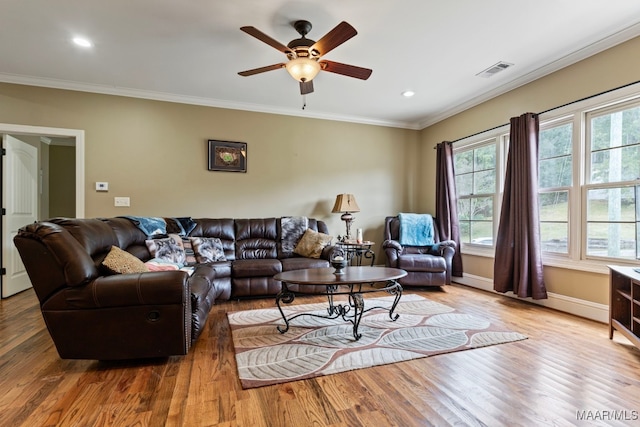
227	156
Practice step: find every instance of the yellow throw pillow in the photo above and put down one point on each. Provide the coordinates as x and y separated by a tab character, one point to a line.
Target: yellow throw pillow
312	243
122	262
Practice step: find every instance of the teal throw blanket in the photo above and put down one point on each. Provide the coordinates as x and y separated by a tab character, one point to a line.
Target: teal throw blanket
416	229
149	225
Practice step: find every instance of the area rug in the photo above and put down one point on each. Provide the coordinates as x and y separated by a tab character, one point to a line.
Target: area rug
313	346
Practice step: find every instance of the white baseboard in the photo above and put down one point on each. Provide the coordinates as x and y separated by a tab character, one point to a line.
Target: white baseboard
578	307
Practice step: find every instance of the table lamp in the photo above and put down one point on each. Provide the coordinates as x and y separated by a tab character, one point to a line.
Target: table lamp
346	203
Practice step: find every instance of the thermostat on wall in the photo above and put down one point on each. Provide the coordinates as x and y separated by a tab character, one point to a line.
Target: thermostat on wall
102	186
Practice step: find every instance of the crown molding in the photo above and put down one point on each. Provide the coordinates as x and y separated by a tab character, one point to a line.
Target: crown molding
194	100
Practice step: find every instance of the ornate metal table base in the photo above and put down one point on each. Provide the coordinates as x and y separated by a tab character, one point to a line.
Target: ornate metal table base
357	252
351	311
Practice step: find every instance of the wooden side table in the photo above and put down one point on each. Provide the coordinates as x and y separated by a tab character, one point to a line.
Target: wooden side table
624	303
356	252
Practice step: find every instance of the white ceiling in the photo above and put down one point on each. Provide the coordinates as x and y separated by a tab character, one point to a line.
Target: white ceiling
191	50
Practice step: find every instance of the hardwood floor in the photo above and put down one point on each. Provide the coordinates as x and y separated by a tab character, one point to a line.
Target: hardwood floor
567	373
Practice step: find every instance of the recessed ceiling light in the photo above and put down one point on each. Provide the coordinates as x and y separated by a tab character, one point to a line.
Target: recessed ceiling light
80	41
408	93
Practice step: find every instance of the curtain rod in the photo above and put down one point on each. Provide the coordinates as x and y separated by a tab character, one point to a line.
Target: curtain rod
550	109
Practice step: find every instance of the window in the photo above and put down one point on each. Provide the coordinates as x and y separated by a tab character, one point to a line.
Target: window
475	172
555	177
613	137
588	183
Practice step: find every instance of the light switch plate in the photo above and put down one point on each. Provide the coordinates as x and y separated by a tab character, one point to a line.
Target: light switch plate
121	201
102	186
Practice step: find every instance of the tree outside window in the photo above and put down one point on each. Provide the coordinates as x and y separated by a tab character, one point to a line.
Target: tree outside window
475	171
614	172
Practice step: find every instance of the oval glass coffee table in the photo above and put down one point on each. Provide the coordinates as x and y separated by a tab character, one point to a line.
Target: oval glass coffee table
354	282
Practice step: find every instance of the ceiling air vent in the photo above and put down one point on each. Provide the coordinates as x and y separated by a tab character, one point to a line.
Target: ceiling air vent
494	69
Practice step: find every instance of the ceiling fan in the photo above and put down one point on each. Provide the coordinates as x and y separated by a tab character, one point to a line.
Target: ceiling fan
304	54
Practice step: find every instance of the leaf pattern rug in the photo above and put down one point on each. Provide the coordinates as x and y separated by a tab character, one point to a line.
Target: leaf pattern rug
313	346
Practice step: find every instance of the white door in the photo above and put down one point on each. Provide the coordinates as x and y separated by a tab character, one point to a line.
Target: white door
20	200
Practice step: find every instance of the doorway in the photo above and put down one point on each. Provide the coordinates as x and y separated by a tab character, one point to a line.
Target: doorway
12	279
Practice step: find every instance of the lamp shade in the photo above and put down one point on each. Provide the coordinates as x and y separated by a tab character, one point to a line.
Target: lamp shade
345	203
303	69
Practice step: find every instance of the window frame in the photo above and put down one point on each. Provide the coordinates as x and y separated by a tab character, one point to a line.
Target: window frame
497	136
549	124
588	185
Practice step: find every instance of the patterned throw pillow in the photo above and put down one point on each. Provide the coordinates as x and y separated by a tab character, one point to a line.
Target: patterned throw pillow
312	244
118	261
208	249
167	249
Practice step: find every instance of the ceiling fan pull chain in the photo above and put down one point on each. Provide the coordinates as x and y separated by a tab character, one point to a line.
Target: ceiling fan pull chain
304	101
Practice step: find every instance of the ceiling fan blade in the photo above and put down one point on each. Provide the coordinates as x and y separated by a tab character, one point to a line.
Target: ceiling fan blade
261	70
346	69
334	38
306	87
252	31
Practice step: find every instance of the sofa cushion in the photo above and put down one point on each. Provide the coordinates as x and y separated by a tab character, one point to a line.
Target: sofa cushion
299	263
118	261
255	287
256	238
256	267
94	235
224	229
129	237
167	249
207	249
312	243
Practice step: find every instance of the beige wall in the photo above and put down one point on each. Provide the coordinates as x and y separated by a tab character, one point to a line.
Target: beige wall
607	70
62	178
156	154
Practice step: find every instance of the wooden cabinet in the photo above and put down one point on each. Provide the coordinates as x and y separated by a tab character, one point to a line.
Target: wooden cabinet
624	303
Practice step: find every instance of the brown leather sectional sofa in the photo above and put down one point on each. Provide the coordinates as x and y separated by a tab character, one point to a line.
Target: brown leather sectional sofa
93	315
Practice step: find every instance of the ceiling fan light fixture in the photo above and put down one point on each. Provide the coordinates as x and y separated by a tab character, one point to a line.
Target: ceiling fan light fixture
303	69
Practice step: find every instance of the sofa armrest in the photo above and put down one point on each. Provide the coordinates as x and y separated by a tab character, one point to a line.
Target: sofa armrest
122	290
440	248
327	252
392	250
445	249
393	244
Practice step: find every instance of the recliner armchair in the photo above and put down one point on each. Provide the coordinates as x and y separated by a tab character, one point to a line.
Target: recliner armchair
425	265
